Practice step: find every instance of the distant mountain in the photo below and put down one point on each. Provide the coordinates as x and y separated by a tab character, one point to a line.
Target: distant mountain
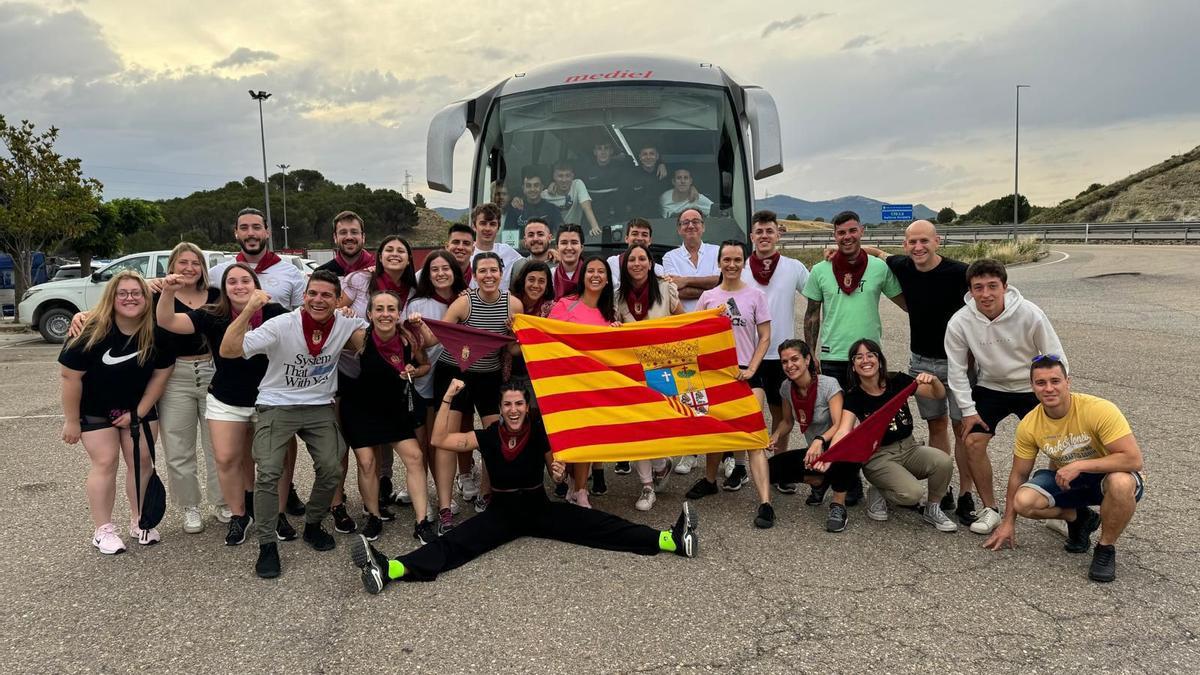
450	214
870	210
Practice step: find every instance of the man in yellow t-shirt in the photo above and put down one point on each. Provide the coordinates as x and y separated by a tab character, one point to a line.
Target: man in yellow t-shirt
1094	461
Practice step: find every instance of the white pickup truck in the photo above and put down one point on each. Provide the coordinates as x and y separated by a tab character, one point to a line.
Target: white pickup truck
50	306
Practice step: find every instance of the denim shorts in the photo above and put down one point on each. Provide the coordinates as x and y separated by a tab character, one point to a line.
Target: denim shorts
933	408
1086	490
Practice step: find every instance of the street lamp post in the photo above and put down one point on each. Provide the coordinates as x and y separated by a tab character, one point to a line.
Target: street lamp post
1016	164
284	168
261	96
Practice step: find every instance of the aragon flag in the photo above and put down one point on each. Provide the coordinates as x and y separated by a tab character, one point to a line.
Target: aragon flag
644	390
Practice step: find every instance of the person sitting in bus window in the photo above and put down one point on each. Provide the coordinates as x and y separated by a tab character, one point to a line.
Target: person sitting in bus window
603	178
520	210
499	193
647	181
683	195
571	197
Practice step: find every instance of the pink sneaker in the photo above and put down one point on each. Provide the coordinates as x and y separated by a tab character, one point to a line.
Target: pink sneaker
106	539
581	499
144	537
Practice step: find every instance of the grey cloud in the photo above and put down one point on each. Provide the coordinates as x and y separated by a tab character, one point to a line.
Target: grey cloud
39	43
860	41
244	56
794	23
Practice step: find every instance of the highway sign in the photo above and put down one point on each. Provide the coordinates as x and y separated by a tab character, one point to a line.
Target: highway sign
897	212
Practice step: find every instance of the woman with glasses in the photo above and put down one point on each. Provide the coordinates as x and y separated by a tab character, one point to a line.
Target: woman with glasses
112	376
898	466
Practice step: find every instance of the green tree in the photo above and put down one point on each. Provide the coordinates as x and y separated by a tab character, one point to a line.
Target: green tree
946	216
141	241
44	197
198	237
818	219
999	211
115	220
792	216
419	201
1089	189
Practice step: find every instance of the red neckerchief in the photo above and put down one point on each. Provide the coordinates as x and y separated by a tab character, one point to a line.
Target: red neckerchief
539	307
383	282
566	285
391	350
256	318
763	268
315	334
513	442
467	274
847	274
804	404
638	301
267	260
364	259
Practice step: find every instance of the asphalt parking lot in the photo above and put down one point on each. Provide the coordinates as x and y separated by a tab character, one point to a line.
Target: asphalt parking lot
895	596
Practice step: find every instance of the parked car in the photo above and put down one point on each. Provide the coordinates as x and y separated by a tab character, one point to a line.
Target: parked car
71	270
305	265
50	306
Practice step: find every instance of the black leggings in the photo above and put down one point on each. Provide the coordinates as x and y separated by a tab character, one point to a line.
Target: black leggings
788	467
512	515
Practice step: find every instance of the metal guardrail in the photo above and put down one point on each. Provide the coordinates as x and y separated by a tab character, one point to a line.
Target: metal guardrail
1188	233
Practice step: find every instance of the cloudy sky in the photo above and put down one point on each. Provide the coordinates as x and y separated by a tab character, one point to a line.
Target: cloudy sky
908	101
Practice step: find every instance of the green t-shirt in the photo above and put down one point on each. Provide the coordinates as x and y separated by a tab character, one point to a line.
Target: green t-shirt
848	318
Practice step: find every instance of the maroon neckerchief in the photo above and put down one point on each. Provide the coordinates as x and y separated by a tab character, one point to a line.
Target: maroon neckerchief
384	282
267	260
804	404
315	334
539	307
390	350
256	318
513	442
764	268
365	259
638	301
566	285
467	274
847	274
445	301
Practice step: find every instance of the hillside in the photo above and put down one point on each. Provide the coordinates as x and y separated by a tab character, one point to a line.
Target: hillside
450	214
870	210
430	229
1166	191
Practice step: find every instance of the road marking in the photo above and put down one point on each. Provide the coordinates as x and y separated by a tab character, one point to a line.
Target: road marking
1065	256
22	344
28	417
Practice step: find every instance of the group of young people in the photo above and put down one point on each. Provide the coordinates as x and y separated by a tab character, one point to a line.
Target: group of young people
345	360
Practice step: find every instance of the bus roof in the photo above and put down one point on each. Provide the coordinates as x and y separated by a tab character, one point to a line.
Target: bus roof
616	69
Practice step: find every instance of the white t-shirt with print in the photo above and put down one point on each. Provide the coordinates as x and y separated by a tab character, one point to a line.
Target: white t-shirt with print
282	281
570	205
294	377
783	290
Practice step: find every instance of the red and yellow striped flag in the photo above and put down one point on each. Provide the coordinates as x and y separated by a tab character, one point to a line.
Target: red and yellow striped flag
647	389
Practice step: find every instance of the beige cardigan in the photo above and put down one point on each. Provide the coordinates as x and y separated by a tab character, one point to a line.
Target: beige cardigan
670	300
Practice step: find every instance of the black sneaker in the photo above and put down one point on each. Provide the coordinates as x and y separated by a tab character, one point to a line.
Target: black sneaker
836	522
765	518
855	494
385	493
736	479
702	488
948	500
445	521
816	494
965	511
1104	564
316	537
283	529
267	566
622	469
787	488
599	486
1079	531
424	532
560	490
342	522
238	527
294	506
385	514
372	564
372	527
687	544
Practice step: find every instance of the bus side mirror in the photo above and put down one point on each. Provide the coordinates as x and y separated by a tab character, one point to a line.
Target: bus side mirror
766	142
444	131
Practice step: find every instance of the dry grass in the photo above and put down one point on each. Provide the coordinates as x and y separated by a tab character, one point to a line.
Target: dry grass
797	225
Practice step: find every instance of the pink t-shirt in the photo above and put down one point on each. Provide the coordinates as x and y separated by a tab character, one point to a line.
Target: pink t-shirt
747	309
574	310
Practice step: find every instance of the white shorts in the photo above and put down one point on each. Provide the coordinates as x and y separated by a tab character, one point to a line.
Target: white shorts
223	412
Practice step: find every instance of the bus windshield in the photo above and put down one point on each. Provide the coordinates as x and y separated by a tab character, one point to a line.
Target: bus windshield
598	156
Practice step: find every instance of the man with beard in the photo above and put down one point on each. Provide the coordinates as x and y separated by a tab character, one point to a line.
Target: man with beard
348	239
537	242
295	397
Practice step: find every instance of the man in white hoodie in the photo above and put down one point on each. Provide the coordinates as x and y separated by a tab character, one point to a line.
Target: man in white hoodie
1004	332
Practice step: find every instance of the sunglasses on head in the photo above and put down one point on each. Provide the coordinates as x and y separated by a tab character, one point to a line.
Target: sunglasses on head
1047	357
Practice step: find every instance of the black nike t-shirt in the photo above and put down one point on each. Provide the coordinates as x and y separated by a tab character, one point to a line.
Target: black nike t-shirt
236	380
863	404
113	378
932	298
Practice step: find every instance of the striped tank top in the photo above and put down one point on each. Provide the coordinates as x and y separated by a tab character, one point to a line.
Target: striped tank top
484	316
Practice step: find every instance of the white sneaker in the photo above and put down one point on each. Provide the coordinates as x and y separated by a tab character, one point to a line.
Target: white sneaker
468	485
1057	526
877	507
934	516
192	522
223	514
454	507
144	537
685	465
646	501
400	495
986	520
106	539
727	467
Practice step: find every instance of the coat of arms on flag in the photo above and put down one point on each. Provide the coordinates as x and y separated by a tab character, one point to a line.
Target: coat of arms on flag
648	389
